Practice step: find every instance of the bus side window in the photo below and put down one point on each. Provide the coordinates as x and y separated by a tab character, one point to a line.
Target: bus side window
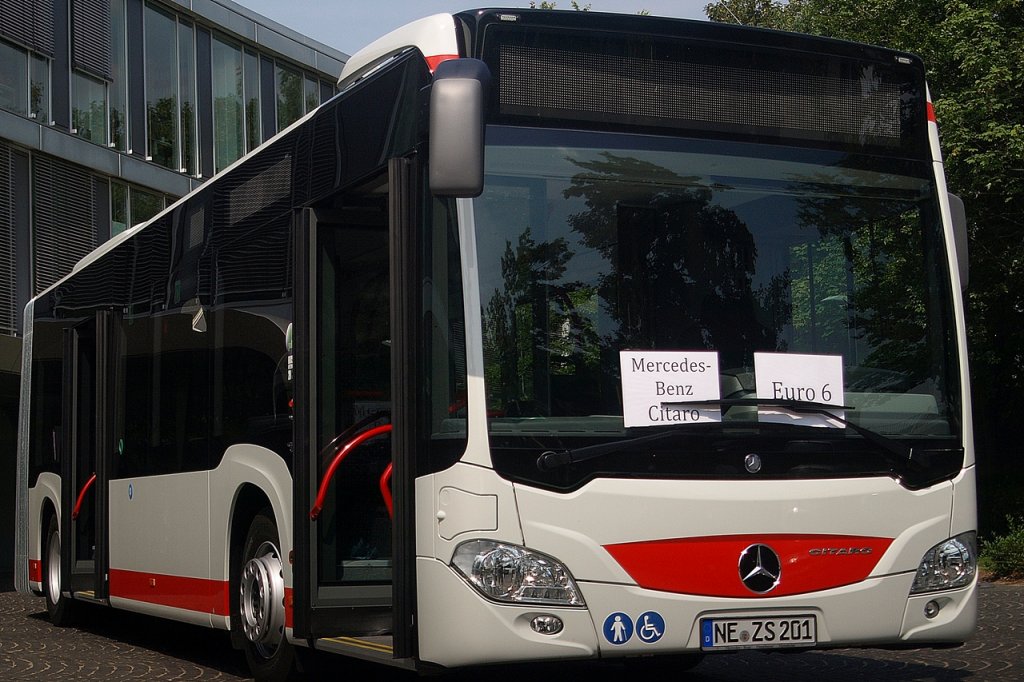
250	402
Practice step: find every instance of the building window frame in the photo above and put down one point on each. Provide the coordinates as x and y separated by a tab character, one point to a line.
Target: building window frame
93	126
228	96
188	96
252	99
155	118
14	93
127	205
290	106
119	100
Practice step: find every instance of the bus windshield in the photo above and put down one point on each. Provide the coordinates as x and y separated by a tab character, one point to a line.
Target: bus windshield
589	244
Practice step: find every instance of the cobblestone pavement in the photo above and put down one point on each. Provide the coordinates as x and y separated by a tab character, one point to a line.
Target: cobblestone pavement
111	645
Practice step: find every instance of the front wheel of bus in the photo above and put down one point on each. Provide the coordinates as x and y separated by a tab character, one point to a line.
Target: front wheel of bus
261	603
59	607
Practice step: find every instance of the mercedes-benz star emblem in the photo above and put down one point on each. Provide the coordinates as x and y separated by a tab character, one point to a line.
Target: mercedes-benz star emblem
752	462
760	568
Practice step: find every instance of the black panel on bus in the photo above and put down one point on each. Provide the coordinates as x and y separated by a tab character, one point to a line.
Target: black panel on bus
700	78
202	296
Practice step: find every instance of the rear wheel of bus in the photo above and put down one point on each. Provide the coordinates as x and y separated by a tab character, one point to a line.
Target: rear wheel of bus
60	608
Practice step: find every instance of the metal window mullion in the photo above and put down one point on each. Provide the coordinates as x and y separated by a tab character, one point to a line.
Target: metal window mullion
177	95
8	258
122	59
145	89
195	105
106	114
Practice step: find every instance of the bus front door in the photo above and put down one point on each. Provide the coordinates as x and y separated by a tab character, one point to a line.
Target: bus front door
84	497
347	384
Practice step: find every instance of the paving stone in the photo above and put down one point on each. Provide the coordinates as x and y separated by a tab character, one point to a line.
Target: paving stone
113	645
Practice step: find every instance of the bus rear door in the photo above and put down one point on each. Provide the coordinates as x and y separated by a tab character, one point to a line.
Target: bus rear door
84	498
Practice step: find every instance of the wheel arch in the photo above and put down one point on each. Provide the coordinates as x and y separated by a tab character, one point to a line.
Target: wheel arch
249	479
44	501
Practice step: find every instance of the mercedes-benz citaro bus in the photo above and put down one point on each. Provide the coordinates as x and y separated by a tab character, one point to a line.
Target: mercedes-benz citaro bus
554	335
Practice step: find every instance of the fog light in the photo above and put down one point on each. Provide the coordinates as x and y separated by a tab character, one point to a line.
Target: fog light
546	625
931	609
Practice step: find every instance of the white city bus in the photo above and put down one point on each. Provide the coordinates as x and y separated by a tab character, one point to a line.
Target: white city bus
552	336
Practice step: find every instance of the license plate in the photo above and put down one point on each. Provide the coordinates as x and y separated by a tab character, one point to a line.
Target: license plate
717	634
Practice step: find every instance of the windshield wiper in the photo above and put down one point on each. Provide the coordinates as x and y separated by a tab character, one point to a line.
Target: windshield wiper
553	460
903	454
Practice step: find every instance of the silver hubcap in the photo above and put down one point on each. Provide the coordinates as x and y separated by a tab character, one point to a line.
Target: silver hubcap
53	568
262	599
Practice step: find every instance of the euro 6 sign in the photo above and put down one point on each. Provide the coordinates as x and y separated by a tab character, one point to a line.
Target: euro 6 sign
797	378
657	384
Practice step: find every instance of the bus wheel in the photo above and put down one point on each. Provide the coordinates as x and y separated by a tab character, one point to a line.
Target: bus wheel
59	607
261	603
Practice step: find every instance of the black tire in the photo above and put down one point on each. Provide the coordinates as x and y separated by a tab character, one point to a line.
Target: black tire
272	658
62	610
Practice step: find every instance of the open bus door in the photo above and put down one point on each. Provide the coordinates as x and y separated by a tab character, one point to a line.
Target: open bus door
88	378
353	521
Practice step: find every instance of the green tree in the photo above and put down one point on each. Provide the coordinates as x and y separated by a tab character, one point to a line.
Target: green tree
974	53
544	4
767	13
551	5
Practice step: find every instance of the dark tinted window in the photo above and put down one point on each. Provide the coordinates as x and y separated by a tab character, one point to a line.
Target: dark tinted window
47	383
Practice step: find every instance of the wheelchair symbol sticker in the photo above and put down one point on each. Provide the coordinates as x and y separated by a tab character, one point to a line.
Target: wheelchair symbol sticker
650	627
618	628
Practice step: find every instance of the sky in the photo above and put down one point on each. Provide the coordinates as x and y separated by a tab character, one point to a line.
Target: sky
348	25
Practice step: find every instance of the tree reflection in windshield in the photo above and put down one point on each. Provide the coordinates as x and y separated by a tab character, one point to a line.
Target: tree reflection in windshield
583	253
537	327
681	267
888	282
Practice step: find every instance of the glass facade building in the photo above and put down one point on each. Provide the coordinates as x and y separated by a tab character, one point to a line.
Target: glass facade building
112	109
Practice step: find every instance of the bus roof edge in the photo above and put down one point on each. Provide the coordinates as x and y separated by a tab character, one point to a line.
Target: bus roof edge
434	36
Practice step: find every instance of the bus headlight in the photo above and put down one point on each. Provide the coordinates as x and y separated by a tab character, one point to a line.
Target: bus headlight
515	575
948	565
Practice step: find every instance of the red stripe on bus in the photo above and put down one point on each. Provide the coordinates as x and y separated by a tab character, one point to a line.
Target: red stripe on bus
35	570
931	113
289	607
191	594
709	566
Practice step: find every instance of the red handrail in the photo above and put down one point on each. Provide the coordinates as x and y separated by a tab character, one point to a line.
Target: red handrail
385	489
341	454
81	497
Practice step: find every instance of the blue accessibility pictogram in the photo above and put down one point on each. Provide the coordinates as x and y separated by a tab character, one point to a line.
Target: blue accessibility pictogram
618	628
650	627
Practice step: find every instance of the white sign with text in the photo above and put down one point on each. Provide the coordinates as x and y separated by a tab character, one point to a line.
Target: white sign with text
803	379
651	380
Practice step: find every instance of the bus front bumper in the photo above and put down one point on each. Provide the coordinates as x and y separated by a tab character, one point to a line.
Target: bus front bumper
458	627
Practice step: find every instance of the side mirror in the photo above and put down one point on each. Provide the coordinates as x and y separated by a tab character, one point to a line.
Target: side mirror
457	101
959	217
